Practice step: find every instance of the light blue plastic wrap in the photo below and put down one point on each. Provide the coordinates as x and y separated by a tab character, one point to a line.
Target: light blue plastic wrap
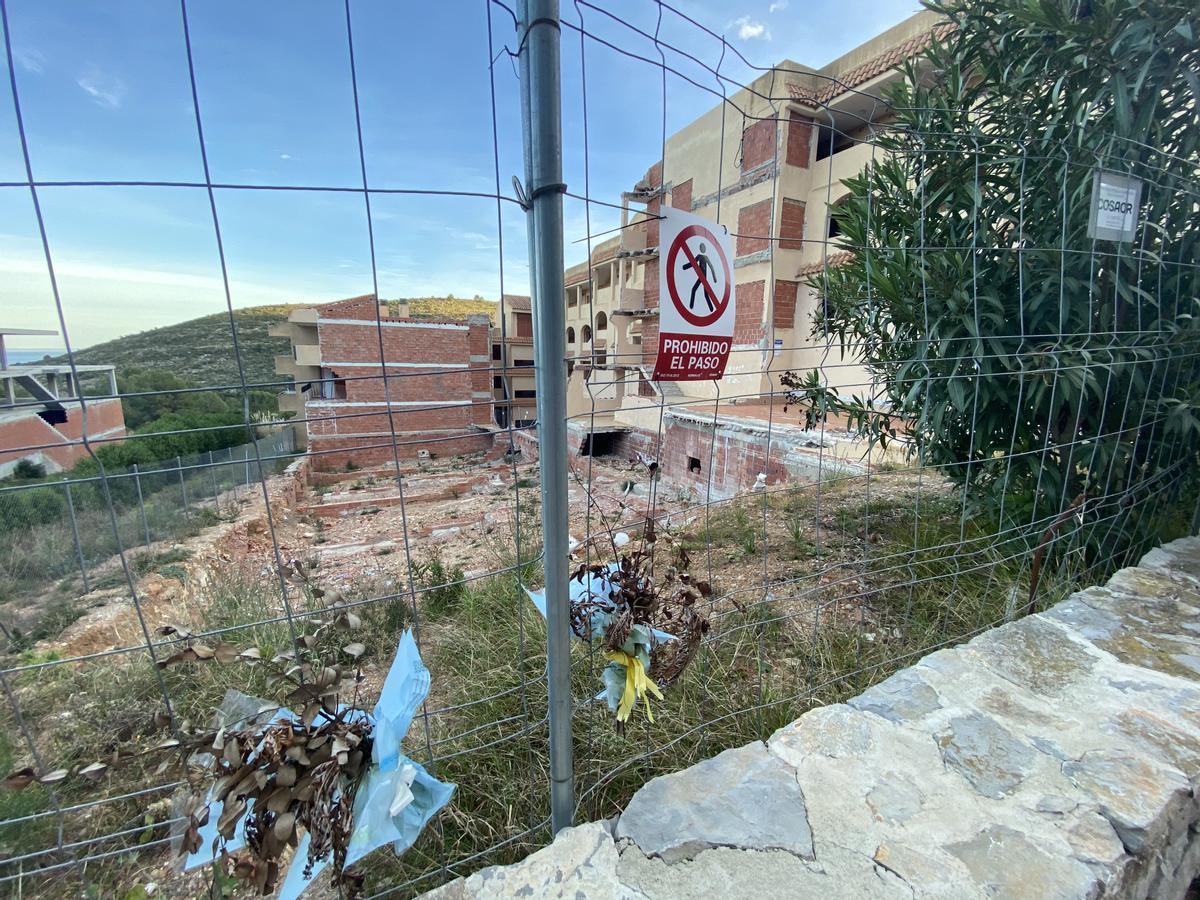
404	690
386	780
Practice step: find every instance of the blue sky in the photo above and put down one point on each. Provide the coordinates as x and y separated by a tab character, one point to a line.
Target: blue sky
105	95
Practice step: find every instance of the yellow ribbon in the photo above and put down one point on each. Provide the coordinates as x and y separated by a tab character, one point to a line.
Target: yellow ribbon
637	684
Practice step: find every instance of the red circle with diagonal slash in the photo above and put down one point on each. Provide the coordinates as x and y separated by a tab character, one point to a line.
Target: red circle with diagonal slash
680	245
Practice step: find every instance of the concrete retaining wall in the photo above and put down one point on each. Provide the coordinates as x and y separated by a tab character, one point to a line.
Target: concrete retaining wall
1055	757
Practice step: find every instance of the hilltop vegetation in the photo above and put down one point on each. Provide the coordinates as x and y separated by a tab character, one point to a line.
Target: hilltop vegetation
450	307
200	351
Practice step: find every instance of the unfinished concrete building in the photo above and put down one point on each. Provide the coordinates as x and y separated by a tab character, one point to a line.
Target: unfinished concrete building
772	184
42	419
437	400
513	381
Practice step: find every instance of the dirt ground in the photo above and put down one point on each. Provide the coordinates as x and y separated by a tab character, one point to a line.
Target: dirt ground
355	529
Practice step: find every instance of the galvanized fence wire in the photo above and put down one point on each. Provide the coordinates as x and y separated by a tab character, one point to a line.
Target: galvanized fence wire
840	565
830	578
219	529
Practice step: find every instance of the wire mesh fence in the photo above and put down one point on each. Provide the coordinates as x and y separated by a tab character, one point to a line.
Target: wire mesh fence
948	403
59	531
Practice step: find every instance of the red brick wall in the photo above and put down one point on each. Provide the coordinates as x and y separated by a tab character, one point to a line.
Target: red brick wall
331	417
791	225
649	340
681	196
654	180
748	327
450	393
799	137
754	227
360	344
54	442
784	312
333	454
758	144
354	308
650	282
405	384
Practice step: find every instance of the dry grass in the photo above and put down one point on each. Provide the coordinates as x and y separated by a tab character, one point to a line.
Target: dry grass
831	596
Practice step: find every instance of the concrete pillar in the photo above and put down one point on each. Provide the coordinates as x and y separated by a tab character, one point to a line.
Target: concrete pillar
9	396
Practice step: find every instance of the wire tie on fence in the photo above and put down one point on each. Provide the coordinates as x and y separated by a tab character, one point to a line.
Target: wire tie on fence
522	198
556	187
540	20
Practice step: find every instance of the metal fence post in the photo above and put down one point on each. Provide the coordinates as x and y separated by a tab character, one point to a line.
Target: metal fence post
182	486
212	471
87	587
542	133
137	480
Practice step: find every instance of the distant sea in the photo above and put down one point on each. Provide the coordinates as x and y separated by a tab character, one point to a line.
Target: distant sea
18	357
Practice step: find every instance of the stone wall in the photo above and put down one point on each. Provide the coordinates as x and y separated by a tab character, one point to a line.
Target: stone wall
1054	757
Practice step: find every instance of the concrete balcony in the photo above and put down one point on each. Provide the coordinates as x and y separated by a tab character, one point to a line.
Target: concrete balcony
633	298
292	401
633	238
307	354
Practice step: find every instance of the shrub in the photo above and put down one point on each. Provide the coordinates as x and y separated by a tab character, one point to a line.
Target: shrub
28	470
443	586
1033	365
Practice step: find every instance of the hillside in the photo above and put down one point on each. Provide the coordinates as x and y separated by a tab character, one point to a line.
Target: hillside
200	350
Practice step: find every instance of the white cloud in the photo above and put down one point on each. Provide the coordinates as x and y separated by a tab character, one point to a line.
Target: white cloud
285	156
107	90
777	6
30	60
749	29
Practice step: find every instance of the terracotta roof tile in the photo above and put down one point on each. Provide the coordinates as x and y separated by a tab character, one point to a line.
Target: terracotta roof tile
334	305
834	259
872	68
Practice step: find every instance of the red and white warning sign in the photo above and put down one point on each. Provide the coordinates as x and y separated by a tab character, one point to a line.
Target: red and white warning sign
696	304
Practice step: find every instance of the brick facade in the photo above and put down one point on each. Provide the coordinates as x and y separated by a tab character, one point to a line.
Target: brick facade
799	140
736	459
681	196
27	435
754	228
650	295
438	383
784	304
650	340
748	326
791	225
758	144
